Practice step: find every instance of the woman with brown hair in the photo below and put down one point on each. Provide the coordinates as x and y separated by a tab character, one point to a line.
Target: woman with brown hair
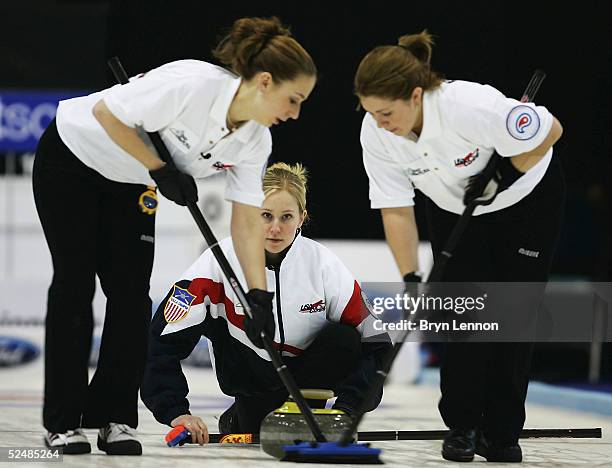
421	132
95	184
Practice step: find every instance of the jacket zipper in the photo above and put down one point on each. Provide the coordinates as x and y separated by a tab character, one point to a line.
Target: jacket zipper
279	314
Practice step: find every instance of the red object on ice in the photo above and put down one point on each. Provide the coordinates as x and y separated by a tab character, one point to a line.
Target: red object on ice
176	436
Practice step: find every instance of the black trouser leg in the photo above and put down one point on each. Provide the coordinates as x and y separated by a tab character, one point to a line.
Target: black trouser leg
250	411
535	226
327	361
493	249
463	365
507	382
124	266
67	204
92	225
462	384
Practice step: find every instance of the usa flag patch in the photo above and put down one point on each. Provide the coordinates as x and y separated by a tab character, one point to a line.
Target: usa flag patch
178	304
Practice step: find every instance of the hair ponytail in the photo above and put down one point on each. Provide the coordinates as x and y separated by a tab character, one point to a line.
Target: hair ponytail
393	72
254	45
420	45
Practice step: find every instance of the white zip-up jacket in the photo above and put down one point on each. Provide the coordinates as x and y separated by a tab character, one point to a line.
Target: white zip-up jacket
311	286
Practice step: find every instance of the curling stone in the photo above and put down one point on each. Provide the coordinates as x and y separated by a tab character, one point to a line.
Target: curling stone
285	425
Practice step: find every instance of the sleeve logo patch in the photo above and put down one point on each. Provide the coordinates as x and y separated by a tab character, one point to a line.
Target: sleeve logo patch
219	166
178	305
523	123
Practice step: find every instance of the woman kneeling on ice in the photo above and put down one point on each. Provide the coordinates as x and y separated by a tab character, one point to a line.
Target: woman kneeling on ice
318	322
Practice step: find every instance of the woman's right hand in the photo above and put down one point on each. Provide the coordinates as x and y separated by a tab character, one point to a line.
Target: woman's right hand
195	425
175	185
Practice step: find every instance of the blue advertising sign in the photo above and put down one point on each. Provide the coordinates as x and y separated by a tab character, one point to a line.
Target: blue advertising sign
16	351
25	114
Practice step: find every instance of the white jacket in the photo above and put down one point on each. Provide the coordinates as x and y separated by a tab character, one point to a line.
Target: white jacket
311	286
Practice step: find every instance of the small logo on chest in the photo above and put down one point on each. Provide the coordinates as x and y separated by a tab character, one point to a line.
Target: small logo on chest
467	160
221	166
181	137
418	172
318	306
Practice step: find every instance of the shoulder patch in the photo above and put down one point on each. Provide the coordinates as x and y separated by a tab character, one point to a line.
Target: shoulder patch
523	122
178	305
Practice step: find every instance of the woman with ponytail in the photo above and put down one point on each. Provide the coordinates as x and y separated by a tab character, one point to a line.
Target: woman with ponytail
91	163
421	132
319	314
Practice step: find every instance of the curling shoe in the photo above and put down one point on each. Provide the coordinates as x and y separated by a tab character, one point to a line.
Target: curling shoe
72	442
500	453
119	439
226	419
460	445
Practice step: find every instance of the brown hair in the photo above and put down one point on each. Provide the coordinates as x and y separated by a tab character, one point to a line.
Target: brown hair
281	176
254	45
392	72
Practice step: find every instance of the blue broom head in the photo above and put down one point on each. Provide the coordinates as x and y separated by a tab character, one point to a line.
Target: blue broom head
331	452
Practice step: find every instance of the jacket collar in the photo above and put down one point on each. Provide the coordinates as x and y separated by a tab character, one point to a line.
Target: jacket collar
221	105
431	116
274	261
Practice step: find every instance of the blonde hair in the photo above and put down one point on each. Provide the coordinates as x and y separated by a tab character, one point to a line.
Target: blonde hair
291	178
254	45
393	72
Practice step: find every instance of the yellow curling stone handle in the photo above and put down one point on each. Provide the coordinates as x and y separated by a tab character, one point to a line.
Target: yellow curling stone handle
317	393
290	407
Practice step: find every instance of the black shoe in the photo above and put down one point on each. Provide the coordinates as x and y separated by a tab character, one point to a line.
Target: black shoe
226	419
71	442
497	452
460	445
119	439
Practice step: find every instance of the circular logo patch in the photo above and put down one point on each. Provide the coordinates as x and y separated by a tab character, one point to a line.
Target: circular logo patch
148	201
523	122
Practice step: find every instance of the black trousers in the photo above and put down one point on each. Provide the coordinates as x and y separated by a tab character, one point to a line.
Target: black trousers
327	362
484	385
92	226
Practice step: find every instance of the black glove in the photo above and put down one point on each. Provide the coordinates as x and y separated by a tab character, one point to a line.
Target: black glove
263	319
175	185
411	287
410	283
499	174
412	278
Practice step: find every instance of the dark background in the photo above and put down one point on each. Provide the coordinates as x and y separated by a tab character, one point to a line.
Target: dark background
65	44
